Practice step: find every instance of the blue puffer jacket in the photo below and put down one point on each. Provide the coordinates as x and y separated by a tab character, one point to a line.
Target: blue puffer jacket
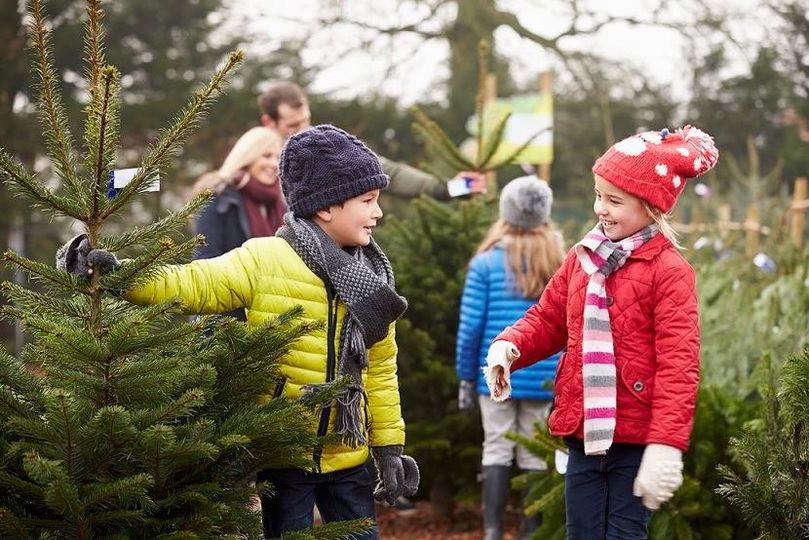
488	305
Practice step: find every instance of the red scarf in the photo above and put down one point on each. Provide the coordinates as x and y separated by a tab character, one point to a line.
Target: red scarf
264	205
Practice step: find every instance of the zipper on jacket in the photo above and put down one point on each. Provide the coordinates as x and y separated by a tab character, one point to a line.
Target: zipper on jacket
279	388
330	365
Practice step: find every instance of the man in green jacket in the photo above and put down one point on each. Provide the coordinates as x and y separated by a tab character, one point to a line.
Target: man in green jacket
285	108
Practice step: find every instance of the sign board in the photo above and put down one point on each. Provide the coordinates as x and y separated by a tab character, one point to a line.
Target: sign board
531	114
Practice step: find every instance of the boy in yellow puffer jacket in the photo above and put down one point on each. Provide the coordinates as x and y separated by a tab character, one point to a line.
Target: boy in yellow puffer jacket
325	260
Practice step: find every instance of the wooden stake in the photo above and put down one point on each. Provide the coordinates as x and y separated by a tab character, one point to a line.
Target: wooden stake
489	95
798	211
724	218
545	87
751	227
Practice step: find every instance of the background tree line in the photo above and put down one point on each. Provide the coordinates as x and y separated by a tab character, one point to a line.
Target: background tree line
164	50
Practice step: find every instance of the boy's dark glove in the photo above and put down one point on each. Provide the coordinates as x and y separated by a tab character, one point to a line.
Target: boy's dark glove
398	474
466	396
78	258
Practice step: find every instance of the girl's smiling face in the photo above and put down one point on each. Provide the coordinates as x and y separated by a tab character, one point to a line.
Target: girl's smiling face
621	214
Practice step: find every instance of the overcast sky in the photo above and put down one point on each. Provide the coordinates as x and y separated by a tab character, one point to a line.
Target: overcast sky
659	52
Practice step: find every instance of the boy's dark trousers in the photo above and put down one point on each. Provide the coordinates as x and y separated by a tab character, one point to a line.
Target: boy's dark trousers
598	493
339	495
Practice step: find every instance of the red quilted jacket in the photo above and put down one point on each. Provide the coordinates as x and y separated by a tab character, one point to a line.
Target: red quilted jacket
652	303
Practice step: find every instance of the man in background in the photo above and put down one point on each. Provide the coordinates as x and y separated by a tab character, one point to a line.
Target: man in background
285	108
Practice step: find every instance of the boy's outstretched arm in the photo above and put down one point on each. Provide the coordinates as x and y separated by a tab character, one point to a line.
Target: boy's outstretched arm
205	286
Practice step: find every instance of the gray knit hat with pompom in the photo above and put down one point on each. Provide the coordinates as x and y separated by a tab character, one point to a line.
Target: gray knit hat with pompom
526	202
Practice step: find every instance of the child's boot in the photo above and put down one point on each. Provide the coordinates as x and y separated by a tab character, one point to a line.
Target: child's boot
496	487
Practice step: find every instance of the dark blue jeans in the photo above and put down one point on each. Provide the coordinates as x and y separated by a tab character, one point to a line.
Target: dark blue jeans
598	494
340	496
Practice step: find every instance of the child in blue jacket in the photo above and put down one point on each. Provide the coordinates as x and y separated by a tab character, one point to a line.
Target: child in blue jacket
507	275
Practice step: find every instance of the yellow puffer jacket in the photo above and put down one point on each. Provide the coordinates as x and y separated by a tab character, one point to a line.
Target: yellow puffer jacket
267	277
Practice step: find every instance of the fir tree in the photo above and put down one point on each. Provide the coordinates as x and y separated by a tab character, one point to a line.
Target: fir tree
137	423
773	495
431	252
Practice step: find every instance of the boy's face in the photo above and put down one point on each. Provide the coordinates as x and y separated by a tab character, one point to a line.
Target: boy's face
352	223
621	214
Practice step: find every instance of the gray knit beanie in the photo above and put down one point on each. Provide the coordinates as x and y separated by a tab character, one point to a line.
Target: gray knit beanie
324	165
526	202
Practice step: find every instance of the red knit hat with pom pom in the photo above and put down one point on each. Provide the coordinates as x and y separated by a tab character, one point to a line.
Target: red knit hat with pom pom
654	166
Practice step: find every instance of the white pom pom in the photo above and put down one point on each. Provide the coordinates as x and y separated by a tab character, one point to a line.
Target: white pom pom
661	169
704	145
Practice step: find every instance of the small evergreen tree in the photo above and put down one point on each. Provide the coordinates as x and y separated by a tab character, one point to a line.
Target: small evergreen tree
137	423
773	492
431	252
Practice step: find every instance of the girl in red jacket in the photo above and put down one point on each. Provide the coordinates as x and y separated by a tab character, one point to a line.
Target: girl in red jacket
624	303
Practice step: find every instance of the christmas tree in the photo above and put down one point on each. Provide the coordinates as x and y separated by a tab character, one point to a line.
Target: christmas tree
135	422
773	491
431	252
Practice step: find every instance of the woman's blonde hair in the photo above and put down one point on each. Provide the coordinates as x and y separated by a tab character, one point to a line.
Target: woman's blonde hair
532	255
661	219
252	144
247	149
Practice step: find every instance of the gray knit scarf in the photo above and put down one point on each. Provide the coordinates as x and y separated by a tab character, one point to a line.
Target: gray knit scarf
363	279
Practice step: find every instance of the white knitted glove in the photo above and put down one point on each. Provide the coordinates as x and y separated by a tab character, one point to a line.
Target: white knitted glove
660	474
498	368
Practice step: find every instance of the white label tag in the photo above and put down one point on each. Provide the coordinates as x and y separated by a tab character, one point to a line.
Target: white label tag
459	186
121	177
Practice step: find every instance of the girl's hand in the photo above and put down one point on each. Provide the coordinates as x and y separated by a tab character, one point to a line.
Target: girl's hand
498	368
500	382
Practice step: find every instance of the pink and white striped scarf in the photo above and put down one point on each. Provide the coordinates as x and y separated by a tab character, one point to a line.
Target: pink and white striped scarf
599	257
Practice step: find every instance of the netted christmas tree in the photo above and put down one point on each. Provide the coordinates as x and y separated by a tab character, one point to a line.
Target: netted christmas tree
773	490
135	422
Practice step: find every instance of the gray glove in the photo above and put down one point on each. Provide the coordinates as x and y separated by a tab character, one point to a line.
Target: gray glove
398	474
466	396
77	258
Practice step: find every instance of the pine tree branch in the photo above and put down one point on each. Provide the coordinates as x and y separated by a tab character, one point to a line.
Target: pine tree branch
171	411
146	266
101	135
93	44
439	150
156	230
48	274
62	407
492	143
511	157
46	304
76	341
22	183
129	491
54	119
172	138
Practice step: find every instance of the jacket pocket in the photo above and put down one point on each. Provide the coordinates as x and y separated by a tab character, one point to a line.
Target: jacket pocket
638	385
